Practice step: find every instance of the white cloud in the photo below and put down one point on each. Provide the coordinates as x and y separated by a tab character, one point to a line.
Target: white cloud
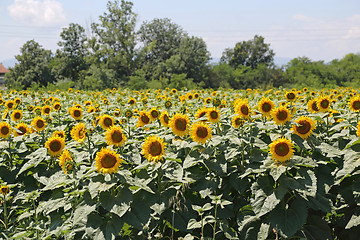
39	13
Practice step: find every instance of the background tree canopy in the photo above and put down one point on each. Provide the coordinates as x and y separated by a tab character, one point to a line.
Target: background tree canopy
161	54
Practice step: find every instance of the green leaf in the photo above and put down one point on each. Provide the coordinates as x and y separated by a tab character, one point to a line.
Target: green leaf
81	214
263	232
289	220
193	224
354	221
33	159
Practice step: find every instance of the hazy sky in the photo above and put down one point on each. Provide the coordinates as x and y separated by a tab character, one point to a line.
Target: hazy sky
318	29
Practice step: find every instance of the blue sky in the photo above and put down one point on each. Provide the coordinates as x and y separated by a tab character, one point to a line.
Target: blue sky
318	29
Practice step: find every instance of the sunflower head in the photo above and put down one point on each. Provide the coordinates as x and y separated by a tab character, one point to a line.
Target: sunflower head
324	103
66	161
237	121
265	106
16	115
290	96
114	136
153	148
200	132
59	133
242	108
107	161
143	119
46	110
38	123
164	118
131	101
354	104
76	113
78	132
154	114
179	124
21	129
10	104
202	114
4	190
213	115
56	106
281	115
5	129
312	106
55	145
281	149
106	121
168	104
304	126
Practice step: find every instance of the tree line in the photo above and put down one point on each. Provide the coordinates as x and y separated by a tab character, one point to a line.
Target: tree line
161	54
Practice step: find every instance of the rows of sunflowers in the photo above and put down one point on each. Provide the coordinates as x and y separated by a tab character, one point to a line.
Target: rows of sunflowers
171	164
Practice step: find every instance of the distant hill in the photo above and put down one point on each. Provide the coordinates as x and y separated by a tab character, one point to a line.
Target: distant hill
9	62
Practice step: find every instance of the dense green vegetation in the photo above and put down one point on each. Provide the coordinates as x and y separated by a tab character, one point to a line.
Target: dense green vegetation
161	54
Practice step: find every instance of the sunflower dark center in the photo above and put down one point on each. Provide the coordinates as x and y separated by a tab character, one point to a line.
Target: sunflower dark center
10	105
282	149
145	119
166	119
180	124
77	113
290	96
131	102
81	133
40	123
47	110
155	148
304	127
282	115
22	130
17	115
244	110
356	105
5	130
202	132
154	114
108	122
108	161
55	146
214	115
266	107
238	122
314	106
325	103
117	136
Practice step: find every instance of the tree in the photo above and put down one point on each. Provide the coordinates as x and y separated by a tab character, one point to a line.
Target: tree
115	37
32	67
70	58
249	53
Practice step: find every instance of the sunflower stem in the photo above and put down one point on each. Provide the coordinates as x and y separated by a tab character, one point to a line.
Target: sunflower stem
5	213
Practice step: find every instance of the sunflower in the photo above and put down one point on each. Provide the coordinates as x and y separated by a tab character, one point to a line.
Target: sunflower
312	106
46	110
242	108
21	129
117	112
305	126
202	114
17	101
324	103
55	145
16	115
131	101
78	132
143	119
5	129
358	130
290	96
39	123
265	106
354	104
114	136
4	190
106	121
154	114
213	115
189	96
56	106
179	124
281	115
208	100
76	113
65	161
37	110
216	102
281	149
168	103
10	104
164	118
59	133
87	103
237	121
153	148
107	161
200	132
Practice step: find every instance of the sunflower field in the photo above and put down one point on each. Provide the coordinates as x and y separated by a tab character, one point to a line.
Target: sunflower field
176	164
